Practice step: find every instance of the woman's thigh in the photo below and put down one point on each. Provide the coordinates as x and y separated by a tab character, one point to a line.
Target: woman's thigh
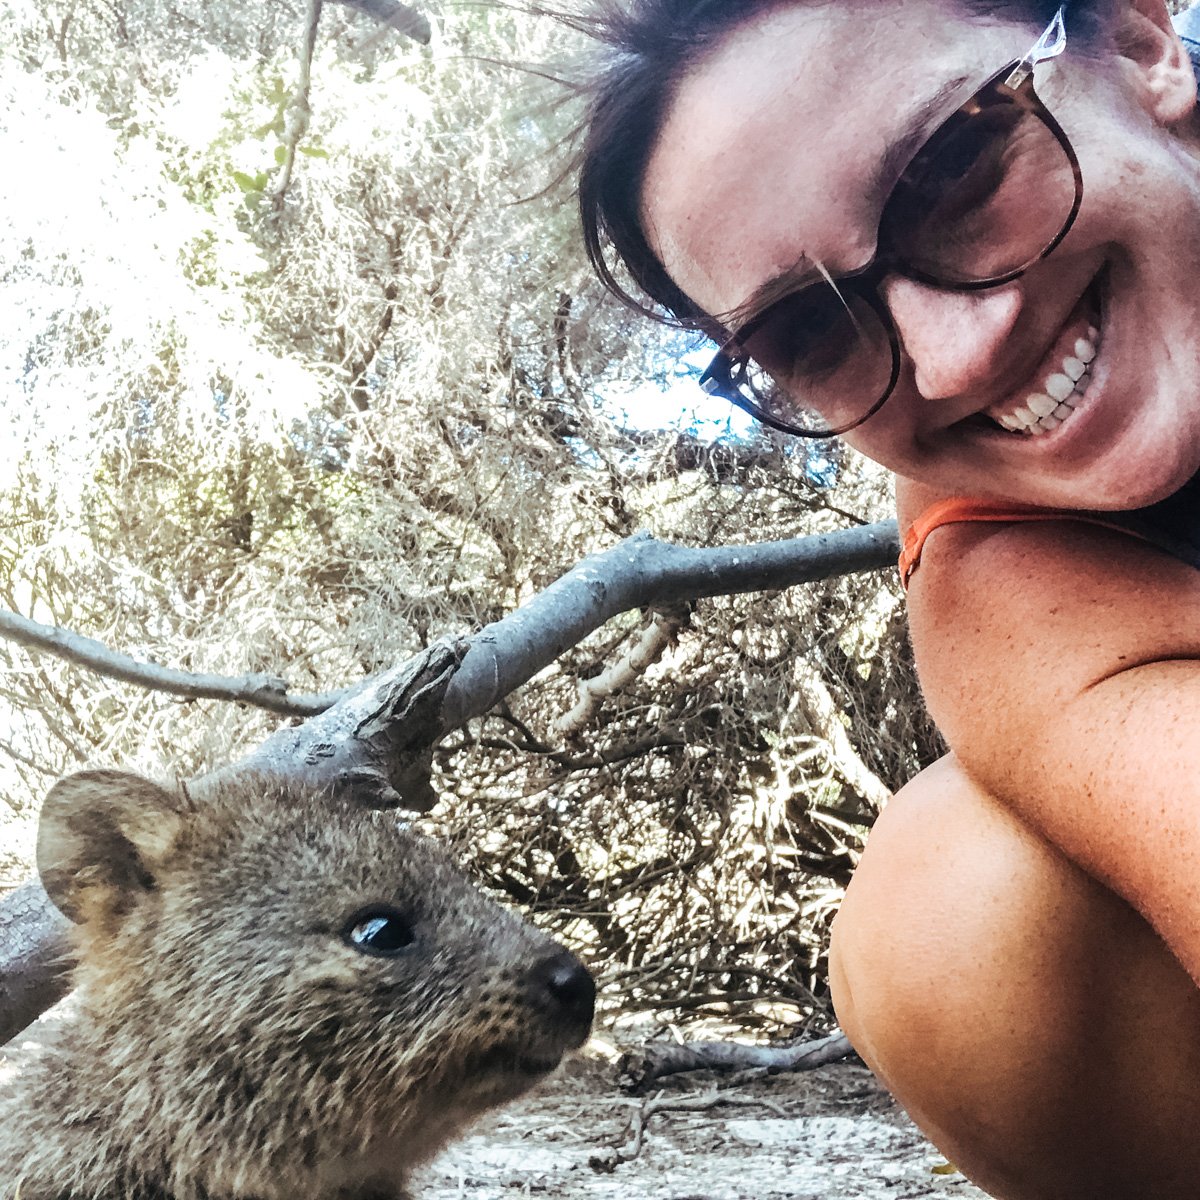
1031	1022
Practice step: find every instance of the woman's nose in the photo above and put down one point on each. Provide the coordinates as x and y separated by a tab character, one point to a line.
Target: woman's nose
954	340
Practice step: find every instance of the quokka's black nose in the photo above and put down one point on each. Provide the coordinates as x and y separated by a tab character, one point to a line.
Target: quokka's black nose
568	987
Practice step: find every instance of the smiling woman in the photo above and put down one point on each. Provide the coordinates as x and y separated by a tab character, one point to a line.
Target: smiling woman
966	236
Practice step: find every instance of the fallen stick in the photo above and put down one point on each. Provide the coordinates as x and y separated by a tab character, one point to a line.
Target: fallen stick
638	1069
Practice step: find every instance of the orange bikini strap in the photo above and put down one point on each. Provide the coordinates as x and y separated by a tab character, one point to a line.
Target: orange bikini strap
961	508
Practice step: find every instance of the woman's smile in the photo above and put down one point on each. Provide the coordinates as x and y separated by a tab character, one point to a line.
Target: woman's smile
1062	378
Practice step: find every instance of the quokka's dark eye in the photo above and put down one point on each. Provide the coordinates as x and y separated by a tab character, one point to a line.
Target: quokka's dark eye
382	931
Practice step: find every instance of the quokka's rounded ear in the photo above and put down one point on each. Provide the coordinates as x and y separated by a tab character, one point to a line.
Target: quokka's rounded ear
102	836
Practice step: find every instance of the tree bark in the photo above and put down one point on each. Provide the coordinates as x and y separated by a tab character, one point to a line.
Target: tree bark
376	742
36	962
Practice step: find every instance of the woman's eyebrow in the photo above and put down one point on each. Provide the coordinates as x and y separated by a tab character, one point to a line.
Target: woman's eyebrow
783	283
903	149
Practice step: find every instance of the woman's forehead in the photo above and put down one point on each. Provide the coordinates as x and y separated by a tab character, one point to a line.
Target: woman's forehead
784	142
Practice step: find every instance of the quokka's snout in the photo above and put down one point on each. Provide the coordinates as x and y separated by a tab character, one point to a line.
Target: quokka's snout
564	987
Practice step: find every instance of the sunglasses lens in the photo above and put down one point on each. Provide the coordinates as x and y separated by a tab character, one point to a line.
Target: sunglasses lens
819	360
989	194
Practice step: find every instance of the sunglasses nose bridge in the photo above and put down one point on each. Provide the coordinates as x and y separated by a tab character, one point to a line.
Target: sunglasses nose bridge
953	340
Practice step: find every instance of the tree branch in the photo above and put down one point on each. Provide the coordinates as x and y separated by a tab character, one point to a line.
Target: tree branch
821	711
403	18
35	957
648	649
377	741
299	112
260	691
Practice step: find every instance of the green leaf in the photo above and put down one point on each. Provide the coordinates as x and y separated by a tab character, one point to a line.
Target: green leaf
280	154
246	182
314	151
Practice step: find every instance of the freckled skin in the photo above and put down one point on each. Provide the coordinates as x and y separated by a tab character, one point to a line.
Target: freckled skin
231	1042
1019	951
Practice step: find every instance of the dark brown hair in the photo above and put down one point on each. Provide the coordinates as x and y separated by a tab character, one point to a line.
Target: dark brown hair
645	47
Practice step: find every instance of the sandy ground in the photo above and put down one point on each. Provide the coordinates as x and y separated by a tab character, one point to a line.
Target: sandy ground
828	1134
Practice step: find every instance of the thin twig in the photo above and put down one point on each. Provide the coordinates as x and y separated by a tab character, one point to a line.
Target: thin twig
636	1132
298	111
259	691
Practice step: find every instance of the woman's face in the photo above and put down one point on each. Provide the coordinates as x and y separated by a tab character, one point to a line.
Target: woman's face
771	153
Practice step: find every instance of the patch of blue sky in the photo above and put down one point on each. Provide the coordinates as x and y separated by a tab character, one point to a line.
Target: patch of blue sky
675	401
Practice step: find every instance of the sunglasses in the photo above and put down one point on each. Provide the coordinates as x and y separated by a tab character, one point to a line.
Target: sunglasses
992	192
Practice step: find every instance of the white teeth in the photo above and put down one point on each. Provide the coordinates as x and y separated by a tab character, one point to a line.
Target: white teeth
1048	408
1059	386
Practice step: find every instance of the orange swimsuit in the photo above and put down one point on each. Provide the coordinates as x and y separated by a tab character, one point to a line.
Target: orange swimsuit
1172	524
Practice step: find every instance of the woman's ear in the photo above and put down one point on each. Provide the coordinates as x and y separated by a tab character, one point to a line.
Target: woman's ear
1155	59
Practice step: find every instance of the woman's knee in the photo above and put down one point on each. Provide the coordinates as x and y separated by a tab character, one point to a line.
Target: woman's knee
1004	997
944	889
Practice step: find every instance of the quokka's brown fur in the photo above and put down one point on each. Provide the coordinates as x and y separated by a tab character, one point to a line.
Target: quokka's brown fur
281	996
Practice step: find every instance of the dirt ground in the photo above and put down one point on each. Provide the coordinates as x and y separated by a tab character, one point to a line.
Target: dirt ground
828	1134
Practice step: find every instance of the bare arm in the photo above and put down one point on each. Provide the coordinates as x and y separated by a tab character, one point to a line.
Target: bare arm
1062	662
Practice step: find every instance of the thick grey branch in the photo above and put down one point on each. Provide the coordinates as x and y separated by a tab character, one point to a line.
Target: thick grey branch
401	17
641	573
261	691
35	961
379	737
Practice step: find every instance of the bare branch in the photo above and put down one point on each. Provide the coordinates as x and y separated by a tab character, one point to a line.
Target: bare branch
260	691
821	711
635	1134
356	367
298	112
648	649
644	573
